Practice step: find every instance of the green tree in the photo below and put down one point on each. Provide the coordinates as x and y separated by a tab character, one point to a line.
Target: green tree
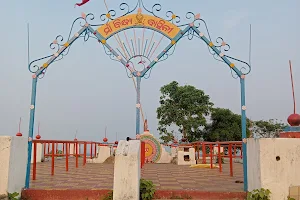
225	126
183	108
268	129
167	136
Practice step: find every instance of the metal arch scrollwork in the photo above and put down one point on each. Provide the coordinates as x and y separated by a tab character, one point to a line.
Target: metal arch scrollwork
169	53
220	44
125	6
110	15
110	54
42	75
246	69
155	8
190	18
171	17
59	42
34	68
148	74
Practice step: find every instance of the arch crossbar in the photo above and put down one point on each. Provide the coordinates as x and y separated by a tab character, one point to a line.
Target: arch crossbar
112	27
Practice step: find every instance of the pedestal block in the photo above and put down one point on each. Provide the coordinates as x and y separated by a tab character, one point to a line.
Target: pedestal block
127	170
13	160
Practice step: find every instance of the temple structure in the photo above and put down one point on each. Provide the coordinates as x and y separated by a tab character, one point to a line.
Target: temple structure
154	151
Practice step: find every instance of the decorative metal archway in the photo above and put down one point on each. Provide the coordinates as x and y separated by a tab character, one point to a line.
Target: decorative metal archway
137	54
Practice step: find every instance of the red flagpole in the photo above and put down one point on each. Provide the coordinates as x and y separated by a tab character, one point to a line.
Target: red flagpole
293	91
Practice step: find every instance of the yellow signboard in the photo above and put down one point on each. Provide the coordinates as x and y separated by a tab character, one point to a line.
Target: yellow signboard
140	20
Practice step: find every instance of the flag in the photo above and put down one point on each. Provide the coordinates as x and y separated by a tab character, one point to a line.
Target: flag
82	3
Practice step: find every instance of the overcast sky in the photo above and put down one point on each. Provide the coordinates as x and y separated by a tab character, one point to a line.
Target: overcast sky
88	91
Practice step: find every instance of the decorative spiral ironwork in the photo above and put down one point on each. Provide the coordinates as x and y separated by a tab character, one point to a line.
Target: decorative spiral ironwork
169	53
246	69
110	54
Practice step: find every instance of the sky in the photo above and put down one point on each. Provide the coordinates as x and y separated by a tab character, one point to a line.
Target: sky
87	91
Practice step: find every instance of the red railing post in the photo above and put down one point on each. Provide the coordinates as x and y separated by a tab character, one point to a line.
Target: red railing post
34	161
230	159
219	155
95	150
234	150
211	155
44	148
63	148
241	151
143	151
203	153
91	156
52	161
48	148
67	157
76	153
84	153
197	149
79	150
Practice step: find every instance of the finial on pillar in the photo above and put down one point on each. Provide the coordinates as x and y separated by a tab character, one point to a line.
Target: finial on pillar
38	136
19	134
105	138
75	139
116	142
146	125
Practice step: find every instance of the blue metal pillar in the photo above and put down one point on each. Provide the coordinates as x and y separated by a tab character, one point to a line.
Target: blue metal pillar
31	128
244	132
138	104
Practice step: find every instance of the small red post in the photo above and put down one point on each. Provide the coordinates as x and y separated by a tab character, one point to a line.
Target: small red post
211	155
84	154
56	151
44	149
52	163
198	150
76	152
143	152
67	157
48	148
241	151
234	150
63	148
91	156
219	155
230	159
34	161
203	154
95	150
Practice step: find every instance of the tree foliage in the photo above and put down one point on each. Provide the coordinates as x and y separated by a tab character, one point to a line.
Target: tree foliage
225	126
268	129
183	107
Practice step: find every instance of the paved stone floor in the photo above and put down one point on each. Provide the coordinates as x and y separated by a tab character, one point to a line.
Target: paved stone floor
164	176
